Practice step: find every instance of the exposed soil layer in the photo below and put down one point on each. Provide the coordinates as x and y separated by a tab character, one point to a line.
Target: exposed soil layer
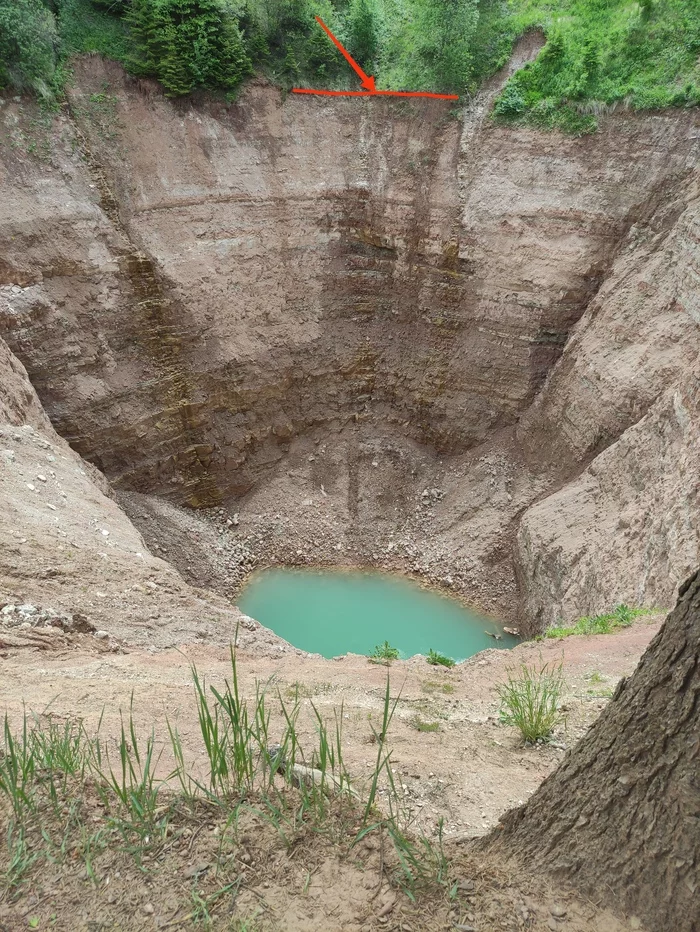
375	331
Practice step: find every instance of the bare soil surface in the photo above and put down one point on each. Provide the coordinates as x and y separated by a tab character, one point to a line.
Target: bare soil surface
211	877
468	771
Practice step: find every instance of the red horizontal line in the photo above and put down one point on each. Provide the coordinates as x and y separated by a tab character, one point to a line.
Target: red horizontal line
306	90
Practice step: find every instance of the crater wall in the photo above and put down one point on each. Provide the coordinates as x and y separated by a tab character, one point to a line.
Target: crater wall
197	287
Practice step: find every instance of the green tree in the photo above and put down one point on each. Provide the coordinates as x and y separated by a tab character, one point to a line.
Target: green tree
28	44
147	23
363	32
188	44
428	45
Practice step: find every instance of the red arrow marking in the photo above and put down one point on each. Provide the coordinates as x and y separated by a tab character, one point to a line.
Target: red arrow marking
366	82
307	90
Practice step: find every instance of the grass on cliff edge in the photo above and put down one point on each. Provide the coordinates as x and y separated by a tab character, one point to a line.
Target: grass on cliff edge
92	808
621	616
601	54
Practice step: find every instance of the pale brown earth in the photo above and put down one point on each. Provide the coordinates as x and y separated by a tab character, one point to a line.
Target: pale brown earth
468	772
310	887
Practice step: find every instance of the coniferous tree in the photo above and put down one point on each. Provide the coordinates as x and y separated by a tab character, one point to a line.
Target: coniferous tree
363	32
148	30
188	44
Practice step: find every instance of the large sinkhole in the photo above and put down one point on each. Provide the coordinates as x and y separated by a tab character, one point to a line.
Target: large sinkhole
318	334
334	612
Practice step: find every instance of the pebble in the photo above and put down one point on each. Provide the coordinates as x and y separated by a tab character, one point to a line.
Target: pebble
558	911
148	909
101	635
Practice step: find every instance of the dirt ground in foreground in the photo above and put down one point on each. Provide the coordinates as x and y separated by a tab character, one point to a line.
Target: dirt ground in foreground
468	771
208	876
453	757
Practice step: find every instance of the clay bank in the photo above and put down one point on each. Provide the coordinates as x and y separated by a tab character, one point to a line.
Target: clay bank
355	333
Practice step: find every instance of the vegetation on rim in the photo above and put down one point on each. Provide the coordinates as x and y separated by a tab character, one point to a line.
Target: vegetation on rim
436	659
599	54
621	616
384	653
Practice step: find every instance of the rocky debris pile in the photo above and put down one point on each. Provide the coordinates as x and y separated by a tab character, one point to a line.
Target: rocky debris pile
29	616
431	497
233	553
26	625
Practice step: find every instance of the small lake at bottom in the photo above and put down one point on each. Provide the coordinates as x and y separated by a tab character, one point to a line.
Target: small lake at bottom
332	612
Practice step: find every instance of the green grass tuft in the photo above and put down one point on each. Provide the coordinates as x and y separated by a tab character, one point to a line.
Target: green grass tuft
421	725
439	660
530	700
67	796
384	653
85	29
621	616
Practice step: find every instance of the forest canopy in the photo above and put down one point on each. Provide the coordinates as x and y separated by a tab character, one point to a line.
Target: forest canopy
598	53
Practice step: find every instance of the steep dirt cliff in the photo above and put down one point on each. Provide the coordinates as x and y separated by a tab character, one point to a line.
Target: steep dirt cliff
628	526
376	330
68	552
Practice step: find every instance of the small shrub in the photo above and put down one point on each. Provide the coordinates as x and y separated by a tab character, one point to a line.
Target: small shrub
594	677
384	653
530	700
439	660
429	686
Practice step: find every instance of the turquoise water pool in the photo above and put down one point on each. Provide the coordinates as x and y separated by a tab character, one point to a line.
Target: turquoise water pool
334	612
